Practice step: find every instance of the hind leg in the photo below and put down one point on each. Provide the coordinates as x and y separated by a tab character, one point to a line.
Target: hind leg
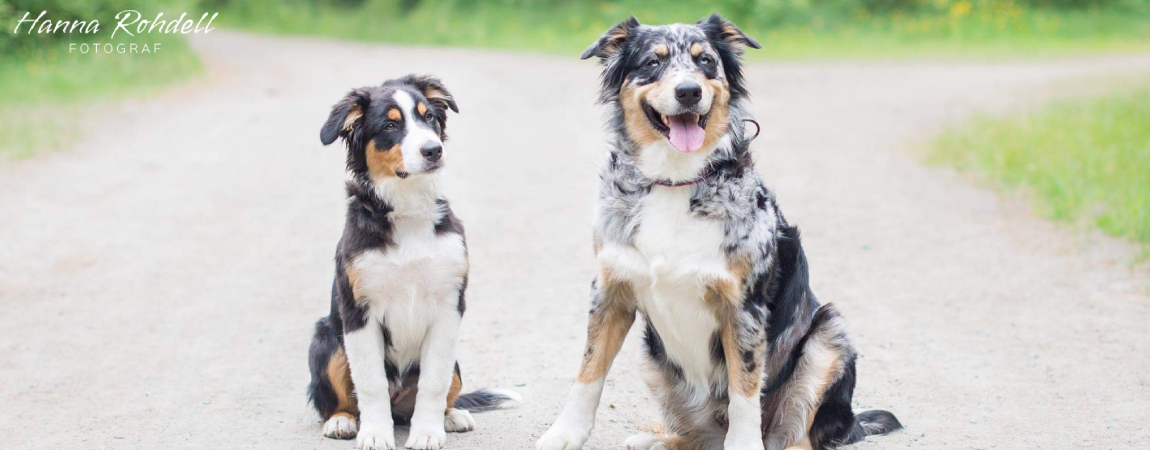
342	424
331	387
825	364
456	420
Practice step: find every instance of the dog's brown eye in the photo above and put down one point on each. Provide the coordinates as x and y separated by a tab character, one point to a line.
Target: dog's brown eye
428	117
653	63
390	126
706	60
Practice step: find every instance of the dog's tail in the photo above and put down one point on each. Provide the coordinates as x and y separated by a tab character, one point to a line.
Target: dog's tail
488	399
870	423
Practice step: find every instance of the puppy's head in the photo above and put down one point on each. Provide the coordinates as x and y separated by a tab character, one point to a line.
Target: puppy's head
392	130
673	82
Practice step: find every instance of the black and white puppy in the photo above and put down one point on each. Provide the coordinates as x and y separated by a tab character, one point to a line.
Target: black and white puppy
386	352
739	352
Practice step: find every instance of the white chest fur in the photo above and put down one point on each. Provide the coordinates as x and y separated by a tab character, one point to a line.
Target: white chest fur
410	283
676	255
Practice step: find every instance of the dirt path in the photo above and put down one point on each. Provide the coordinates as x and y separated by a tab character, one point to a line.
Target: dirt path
160	280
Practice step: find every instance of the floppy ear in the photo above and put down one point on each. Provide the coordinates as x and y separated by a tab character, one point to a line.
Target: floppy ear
612	40
433	89
723	30
344	116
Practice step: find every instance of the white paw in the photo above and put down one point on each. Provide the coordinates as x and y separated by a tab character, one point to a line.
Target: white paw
375	438
644	442
341	426
563	437
743	441
458	421
425	437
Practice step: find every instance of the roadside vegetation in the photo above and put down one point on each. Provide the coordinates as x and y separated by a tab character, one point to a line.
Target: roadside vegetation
792	29
43	87
1084	160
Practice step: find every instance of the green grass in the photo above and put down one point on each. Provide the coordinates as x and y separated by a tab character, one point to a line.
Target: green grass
42	90
1085	161
953	28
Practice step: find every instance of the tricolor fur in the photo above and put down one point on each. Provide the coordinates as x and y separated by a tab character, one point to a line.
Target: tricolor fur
386	352
740	353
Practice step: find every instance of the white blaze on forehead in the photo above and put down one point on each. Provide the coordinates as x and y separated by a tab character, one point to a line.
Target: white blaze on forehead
419	133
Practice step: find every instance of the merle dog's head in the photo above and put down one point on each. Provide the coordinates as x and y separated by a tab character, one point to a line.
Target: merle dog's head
392	130
673	83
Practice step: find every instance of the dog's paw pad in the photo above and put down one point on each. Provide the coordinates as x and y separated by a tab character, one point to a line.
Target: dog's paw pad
340	426
458	420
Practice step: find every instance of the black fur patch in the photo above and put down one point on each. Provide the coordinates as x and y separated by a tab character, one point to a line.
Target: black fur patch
448	223
319	392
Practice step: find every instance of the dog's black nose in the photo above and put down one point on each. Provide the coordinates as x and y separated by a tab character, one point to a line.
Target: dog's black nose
688	93
431	152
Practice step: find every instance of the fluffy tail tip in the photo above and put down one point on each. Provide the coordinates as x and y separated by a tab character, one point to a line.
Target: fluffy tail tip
488	399
878	422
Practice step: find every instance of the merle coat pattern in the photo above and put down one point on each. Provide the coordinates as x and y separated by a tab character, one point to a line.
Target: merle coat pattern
740	354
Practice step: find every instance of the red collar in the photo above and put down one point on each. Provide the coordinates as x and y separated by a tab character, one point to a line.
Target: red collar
706	173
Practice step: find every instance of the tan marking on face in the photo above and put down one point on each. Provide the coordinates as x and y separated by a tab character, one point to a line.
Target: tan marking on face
607	327
639	129
353	114
381	165
394	114
719	118
696	49
339	374
661	49
421	108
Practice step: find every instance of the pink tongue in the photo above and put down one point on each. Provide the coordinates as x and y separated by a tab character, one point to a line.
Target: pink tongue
686	134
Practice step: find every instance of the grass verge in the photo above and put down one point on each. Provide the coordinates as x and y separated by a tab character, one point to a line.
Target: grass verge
42	90
1085	160
982	29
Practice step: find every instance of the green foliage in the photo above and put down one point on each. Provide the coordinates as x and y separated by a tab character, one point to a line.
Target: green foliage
788	28
1085	160
42	85
103	10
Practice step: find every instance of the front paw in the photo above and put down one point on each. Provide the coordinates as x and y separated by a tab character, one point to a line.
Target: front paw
375	437
562	436
743	441
426	437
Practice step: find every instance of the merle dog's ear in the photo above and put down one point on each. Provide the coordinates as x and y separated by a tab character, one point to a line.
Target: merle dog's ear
722	29
612	40
344	116
433	89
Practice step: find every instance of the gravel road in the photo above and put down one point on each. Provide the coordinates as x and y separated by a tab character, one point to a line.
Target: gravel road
160	280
